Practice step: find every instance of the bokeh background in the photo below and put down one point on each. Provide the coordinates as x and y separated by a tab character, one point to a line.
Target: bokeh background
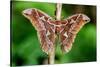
25	46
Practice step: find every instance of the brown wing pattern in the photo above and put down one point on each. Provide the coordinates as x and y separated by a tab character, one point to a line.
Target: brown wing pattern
45	31
47	28
74	24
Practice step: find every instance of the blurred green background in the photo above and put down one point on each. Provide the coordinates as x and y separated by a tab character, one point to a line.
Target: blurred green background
25	46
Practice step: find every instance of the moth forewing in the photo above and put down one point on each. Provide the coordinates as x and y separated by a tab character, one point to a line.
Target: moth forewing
75	23
40	21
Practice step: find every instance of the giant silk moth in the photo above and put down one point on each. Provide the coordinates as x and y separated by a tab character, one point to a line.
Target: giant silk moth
47	28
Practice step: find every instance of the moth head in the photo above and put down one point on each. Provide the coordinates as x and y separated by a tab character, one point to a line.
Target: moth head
85	18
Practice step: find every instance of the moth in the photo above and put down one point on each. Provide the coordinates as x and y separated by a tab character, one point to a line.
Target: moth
47	28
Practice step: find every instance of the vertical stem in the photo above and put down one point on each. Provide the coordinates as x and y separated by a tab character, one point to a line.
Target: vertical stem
51	55
58	11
